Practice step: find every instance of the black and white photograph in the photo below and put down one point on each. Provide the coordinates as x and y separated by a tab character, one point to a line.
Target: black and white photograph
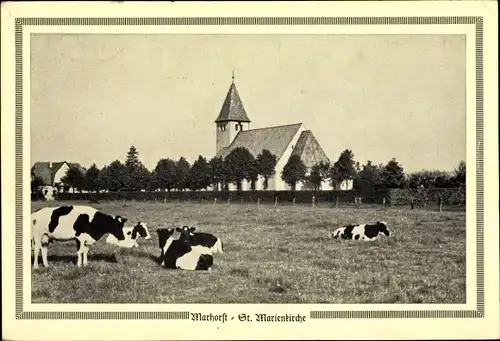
178	161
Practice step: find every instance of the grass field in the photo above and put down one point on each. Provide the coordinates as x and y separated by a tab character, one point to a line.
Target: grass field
271	254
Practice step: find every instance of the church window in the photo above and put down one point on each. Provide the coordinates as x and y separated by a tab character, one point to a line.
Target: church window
236	126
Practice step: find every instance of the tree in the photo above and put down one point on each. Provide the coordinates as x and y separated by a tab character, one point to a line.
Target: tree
460	174
199	175
181	171
136	174
318	174
253	173
92	179
369	178
217	172
132	157
343	169
393	175
429	179
266	164
74	178
112	176
238	165
164	174
36	182
294	171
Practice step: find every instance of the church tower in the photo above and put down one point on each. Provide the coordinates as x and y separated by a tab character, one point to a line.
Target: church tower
231	120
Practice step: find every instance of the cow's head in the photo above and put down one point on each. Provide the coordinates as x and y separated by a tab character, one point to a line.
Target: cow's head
163	235
184	235
382	228
120	220
189	229
141	229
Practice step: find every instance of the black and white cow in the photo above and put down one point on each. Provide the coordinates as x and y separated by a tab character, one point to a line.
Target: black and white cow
84	224
367	232
178	253
205	239
131	235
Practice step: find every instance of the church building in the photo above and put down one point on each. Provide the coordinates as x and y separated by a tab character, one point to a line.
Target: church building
233	130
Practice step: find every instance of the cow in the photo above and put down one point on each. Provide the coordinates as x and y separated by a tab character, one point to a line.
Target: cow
178	253
205	239
367	232
84	224
131	235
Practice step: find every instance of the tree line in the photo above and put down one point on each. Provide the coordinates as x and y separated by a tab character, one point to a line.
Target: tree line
240	165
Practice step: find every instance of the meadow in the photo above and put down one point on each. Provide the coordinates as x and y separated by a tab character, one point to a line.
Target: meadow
282	254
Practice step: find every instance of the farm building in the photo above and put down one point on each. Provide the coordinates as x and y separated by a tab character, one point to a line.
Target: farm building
233	130
51	173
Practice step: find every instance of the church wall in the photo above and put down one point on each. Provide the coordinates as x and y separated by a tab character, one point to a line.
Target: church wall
279	184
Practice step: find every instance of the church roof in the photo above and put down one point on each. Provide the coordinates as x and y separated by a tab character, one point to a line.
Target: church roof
232	108
275	139
309	149
47	173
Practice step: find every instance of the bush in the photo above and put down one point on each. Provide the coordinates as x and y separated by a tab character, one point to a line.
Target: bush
426	197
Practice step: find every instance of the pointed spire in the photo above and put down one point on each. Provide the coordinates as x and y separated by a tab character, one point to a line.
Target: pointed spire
232	108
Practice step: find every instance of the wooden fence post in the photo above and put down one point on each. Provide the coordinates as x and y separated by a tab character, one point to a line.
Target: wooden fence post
383	202
228	200
164	200
440	203
412	204
241	201
276	201
337	203
293	201
258	202
313	200
215	201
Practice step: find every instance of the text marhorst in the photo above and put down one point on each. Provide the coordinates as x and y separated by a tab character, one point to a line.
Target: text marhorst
248	318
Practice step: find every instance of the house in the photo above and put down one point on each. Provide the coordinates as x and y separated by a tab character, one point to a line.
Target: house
233	130
51	174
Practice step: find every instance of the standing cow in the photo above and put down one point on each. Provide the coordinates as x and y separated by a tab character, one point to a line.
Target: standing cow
177	251
84	224
367	232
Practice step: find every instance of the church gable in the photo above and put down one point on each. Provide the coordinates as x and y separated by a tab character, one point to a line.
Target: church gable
309	149
275	139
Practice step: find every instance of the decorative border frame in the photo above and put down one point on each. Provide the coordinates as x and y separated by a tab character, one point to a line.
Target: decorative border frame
227	21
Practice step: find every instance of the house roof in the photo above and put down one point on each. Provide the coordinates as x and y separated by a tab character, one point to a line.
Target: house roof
232	108
275	139
309	149
47	173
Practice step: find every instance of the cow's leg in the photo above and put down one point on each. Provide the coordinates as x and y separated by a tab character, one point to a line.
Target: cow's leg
45	244
84	255
79	253
44	256
36	252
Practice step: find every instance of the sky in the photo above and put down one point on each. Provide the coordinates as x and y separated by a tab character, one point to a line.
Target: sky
381	96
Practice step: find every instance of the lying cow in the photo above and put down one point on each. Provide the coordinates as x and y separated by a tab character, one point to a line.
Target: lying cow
177	251
361	232
131	235
84	224
205	239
